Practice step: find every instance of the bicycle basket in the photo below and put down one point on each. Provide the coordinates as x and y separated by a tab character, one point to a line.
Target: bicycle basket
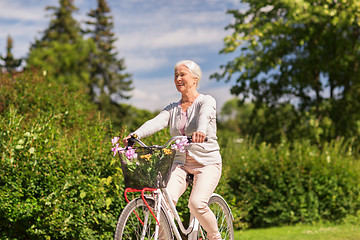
151	167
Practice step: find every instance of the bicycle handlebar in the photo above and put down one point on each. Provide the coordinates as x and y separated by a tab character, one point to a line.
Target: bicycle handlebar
134	139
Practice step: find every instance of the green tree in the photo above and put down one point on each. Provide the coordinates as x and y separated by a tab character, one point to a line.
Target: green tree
62	53
10	63
63	27
60	64
235	117
267	123
301	52
109	81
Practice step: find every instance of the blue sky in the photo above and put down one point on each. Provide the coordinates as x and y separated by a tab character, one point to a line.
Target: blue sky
152	36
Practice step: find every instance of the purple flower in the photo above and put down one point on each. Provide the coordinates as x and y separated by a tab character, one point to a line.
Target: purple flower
114	140
117	149
130	153
180	144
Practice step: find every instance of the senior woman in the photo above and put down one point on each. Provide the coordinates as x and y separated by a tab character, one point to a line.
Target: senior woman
194	115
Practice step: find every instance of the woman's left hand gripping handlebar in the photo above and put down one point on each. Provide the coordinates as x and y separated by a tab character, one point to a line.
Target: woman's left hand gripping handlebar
198	137
129	140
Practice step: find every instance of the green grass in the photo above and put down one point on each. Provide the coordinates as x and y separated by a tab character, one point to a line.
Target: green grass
303	232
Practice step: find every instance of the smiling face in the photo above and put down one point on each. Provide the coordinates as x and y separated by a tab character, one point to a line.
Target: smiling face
184	80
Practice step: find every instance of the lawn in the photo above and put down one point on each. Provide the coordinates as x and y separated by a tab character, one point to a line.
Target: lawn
303	232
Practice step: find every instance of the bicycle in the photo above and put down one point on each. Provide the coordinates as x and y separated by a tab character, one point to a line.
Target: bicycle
153	215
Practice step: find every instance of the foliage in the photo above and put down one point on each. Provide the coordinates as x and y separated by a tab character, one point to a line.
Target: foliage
301	52
63	27
272	123
109	84
58	180
10	63
292	183
235	117
62	54
58	61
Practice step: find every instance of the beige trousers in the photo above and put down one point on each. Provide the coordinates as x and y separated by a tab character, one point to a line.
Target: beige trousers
206	178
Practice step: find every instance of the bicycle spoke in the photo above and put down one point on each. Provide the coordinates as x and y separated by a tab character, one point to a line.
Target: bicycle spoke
130	227
223	216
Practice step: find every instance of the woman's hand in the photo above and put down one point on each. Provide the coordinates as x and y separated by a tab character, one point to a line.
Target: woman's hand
125	140
198	137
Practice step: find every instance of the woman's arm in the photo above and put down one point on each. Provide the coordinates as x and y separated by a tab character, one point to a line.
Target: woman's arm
154	125
207	113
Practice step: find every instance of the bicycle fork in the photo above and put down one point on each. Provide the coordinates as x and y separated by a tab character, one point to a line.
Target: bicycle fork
158	197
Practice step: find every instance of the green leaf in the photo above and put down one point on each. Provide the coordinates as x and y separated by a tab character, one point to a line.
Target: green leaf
82	194
108	202
32	150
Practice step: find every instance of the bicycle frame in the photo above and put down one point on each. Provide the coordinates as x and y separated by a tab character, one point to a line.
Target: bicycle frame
162	198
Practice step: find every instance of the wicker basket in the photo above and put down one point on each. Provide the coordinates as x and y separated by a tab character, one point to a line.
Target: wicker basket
151	168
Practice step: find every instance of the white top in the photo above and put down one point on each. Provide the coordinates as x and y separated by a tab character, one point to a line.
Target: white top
201	118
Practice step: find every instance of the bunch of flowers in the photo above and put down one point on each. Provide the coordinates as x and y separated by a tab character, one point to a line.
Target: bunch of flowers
129	152
180	144
144	166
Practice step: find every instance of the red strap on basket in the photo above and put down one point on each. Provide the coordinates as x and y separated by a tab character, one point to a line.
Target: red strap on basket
143	198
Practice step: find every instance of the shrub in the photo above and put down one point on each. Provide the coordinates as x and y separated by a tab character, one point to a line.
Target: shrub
291	183
58	179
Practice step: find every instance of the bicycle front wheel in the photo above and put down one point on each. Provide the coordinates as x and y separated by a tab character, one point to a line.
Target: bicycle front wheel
223	216
129	225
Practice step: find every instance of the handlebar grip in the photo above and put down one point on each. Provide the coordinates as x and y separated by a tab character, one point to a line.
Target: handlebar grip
131	141
190	139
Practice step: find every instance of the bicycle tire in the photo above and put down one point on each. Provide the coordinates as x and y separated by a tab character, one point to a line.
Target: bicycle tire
223	216
129	227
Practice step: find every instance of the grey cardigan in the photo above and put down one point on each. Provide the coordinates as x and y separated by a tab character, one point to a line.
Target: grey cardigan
201	118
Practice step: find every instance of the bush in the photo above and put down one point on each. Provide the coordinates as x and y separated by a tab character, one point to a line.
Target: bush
58	179
291	183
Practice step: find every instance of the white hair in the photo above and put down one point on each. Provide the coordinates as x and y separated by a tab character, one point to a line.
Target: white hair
193	68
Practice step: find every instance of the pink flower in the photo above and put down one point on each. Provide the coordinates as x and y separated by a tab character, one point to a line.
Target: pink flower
130	153
180	144
114	140
117	149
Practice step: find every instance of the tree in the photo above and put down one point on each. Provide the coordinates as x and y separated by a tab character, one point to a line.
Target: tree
62	53
10	63
59	63
109	83
267	123
235	117
303	52
63	27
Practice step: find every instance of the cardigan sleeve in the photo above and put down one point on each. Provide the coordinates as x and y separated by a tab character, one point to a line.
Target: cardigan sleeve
155	124
207	113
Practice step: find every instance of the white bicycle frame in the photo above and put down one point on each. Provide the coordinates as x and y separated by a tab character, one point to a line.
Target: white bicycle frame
162	198
170	209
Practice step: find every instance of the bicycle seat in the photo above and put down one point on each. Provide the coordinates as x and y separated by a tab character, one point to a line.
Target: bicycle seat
190	178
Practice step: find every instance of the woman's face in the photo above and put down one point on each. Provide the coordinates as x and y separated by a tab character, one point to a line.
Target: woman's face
184	80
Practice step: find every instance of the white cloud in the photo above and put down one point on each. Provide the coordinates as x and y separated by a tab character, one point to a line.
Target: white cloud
154	93
182	37
152	36
143	62
23	10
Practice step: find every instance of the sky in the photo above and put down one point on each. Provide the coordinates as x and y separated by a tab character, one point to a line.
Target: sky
152	35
